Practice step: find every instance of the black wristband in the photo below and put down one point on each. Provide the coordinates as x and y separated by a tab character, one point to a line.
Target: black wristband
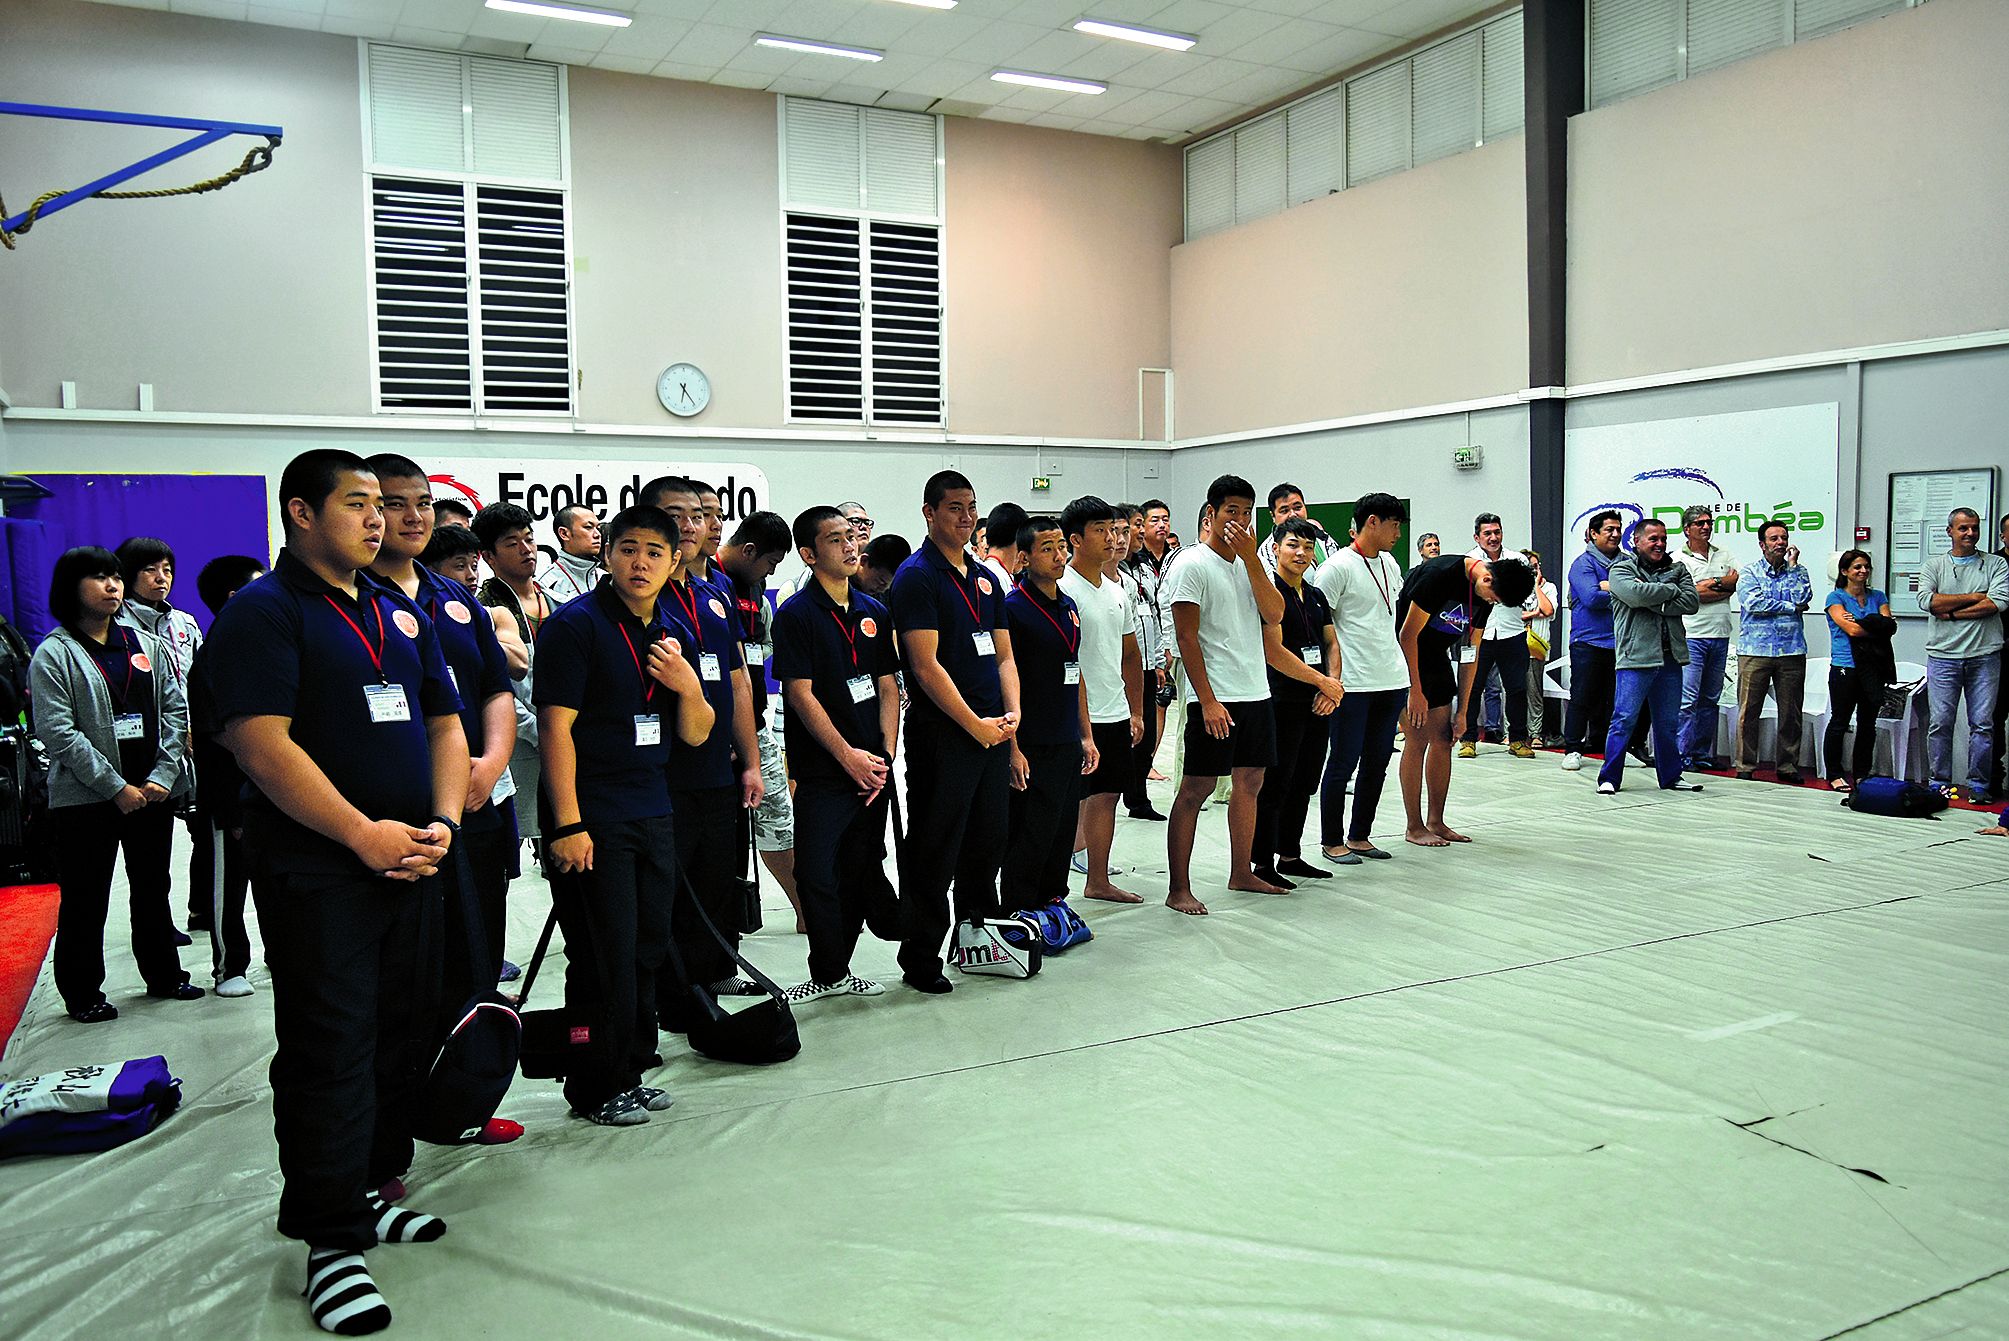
565	831
451	827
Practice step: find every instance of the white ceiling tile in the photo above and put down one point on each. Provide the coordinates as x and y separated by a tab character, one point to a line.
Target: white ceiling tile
1414	18
1049	13
511	27
1203	77
709	44
314	7
1107	61
651	38
998	43
880	25
1057	121
285	18
940	79
690	74
1159	68
1275	44
1346	48
370	28
1293	8
1054	50
427	37
557	55
446	15
738	78
1144	106
800	88
858	93
623	64
378	11
1185	16
907	102
212	9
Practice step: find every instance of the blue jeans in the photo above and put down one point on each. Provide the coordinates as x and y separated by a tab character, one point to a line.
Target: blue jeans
1363	734
1701	691
1946	678
1636	691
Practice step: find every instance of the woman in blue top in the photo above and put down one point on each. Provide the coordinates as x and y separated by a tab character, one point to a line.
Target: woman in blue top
1859	620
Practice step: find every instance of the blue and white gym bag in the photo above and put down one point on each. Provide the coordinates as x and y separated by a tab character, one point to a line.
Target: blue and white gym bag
85	1108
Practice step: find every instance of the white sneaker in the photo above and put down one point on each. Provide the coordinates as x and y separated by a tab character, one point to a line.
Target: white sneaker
237	986
1607	789
1572	762
853	985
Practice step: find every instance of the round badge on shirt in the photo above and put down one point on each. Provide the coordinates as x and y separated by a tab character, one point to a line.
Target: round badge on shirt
869	627
458	611
984	585
142	663
407	623
718	607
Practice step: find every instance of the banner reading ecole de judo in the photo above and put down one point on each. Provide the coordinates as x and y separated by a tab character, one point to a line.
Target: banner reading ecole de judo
1748	468
545	487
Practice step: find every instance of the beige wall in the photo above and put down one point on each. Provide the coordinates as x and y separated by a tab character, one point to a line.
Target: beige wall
1404	292
253	300
1851	190
1059	288
250	299
676	246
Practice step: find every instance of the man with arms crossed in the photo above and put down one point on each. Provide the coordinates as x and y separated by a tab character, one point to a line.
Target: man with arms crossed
1965	592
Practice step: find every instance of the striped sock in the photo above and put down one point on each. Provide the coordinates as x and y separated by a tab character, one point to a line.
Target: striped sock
341	1295
395	1225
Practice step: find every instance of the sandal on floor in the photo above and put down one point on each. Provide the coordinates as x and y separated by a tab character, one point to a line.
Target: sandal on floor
1841	785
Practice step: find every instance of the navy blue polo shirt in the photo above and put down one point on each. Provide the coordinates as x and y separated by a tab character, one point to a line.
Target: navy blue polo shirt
715	630
928	595
1045	636
290	645
127	672
593	657
473	658
816	641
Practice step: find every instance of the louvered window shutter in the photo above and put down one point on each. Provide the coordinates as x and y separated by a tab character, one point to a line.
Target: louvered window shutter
514	120
1444	98
417	109
420	301
902	163
1722	31
526	351
1210	186
1314	154
824	149
1377	124
1259	168
906	330
1502	79
1635	45
826	319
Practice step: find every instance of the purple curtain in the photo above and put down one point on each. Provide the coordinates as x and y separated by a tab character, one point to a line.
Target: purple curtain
201	517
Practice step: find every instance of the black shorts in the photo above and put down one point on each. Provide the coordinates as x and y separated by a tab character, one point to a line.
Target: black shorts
1251	742
1438	671
1112	773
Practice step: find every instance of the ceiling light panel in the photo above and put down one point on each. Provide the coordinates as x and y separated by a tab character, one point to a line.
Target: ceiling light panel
816	48
551	9
1130	33
1055	82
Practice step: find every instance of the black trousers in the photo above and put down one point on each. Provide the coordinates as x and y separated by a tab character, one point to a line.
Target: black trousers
352	995
88	841
1040	828
616	919
1285	800
201	866
840	858
1362	733
1134	796
957	826
1508	656
1593	673
488	850
711	846
230	881
1849	696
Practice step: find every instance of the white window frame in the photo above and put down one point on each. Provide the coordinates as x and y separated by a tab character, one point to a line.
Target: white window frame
468	180
938	220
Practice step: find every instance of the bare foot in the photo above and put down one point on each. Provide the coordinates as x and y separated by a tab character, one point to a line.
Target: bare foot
1424	838
1155	776
1447	833
1110	893
1182	901
1254	884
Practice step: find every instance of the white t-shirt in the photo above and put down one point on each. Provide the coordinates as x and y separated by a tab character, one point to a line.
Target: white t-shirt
1362	594
1503	622
1004	578
1106	615
1231	629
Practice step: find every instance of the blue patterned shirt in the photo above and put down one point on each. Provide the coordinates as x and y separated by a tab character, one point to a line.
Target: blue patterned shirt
1769	625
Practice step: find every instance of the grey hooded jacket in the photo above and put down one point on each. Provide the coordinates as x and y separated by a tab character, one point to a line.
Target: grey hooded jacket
73	715
1646	609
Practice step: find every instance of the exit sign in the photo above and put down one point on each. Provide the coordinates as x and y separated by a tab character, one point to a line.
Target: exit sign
1040	484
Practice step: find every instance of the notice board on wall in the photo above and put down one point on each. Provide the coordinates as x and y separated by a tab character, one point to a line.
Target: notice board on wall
1915	528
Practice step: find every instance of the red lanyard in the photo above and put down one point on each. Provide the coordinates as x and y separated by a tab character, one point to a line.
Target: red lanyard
850	638
1374	571
120	694
975	618
377	652
648	684
1070	645
697	629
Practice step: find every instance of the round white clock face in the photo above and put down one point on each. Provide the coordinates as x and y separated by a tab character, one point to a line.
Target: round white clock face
684	390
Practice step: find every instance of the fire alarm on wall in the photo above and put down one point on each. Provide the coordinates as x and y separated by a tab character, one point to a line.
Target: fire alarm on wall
1862	535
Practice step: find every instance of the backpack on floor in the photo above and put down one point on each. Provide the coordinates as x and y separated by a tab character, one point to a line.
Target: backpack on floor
1002	947
1058	925
1894	796
477	1060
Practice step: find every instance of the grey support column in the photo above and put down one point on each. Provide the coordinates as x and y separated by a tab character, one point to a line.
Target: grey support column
1553	46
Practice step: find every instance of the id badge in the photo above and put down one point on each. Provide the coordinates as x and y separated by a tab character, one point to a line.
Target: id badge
1312	656
1467	654
756	655
986	645
387	703
861	688
129	726
1071	673
708	667
648	729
